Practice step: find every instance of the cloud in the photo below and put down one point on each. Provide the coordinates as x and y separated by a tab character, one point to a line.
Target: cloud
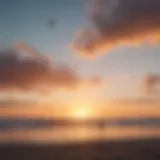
95	82
119	22
151	84
23	68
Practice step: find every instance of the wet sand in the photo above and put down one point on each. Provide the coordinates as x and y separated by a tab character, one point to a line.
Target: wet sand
137	149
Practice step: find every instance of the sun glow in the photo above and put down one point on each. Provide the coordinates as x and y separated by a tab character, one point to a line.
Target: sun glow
82	112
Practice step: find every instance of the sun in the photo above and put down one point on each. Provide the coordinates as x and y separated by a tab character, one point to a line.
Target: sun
81	112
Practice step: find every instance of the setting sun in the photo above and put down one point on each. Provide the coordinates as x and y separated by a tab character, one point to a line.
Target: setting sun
81	112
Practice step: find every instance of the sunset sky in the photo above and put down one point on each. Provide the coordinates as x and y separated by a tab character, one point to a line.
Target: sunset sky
119	72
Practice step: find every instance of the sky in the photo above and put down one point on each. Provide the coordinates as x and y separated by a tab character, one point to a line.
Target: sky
78	59
121	69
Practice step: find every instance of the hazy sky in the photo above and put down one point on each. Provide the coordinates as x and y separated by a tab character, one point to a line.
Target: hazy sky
28	21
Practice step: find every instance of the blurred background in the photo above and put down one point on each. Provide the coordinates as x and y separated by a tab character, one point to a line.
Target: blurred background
80	72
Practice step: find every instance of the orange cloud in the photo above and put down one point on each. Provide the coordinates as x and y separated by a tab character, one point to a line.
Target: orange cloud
24	68
119	22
